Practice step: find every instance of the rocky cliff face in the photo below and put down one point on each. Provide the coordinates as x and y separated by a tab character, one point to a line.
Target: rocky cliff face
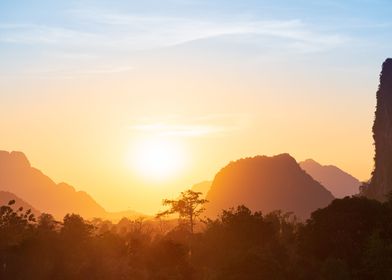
381	182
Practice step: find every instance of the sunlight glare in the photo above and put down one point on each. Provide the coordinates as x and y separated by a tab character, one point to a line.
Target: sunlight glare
157	159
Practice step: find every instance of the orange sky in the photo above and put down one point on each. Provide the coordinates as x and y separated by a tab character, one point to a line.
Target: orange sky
83	130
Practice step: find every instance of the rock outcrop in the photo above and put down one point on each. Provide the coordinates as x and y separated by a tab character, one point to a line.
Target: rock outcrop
381	182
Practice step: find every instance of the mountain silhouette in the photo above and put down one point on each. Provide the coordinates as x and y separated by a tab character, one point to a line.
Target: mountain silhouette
381	182
337	181
18	177
267	184
202	187
6	197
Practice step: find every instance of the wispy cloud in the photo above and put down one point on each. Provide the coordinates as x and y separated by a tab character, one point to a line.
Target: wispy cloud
137	32
95	39
162	31
181	130
64	73
42	34
107	70
203	126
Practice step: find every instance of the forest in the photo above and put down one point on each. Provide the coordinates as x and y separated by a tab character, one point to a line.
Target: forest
349	239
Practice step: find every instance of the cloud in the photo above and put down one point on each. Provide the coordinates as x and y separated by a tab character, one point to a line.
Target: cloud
95	38
181	130
129	32
112	70
161	31
69	73
209	125
42	34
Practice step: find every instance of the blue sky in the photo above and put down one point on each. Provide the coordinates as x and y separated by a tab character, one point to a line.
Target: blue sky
67	38
73	24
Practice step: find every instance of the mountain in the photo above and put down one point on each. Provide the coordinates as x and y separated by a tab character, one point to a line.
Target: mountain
381	182
6	197
202	187
20	178
267	184
338	182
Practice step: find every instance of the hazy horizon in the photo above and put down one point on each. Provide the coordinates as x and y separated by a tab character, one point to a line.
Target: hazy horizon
93	91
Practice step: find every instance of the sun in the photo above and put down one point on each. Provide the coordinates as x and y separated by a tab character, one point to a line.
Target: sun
157	159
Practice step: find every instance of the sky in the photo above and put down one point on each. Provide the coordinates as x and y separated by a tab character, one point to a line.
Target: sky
91	90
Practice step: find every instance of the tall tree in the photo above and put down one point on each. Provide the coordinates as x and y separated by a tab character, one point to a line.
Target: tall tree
188	207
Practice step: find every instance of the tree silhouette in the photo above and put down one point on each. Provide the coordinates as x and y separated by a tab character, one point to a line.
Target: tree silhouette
189	207
15	227
349	239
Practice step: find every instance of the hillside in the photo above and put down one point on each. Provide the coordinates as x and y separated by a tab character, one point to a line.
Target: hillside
6	197
20	178
337	181
202	187
267	184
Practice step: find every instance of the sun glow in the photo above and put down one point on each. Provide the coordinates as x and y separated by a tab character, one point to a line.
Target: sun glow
157	159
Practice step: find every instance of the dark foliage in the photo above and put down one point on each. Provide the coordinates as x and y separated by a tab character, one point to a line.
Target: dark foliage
349	239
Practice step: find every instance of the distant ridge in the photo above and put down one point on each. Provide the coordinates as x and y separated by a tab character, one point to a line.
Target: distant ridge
18	177
337	181
267	184
202	187
6	197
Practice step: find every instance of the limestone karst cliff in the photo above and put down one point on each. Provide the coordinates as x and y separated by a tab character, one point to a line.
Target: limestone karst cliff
381	181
